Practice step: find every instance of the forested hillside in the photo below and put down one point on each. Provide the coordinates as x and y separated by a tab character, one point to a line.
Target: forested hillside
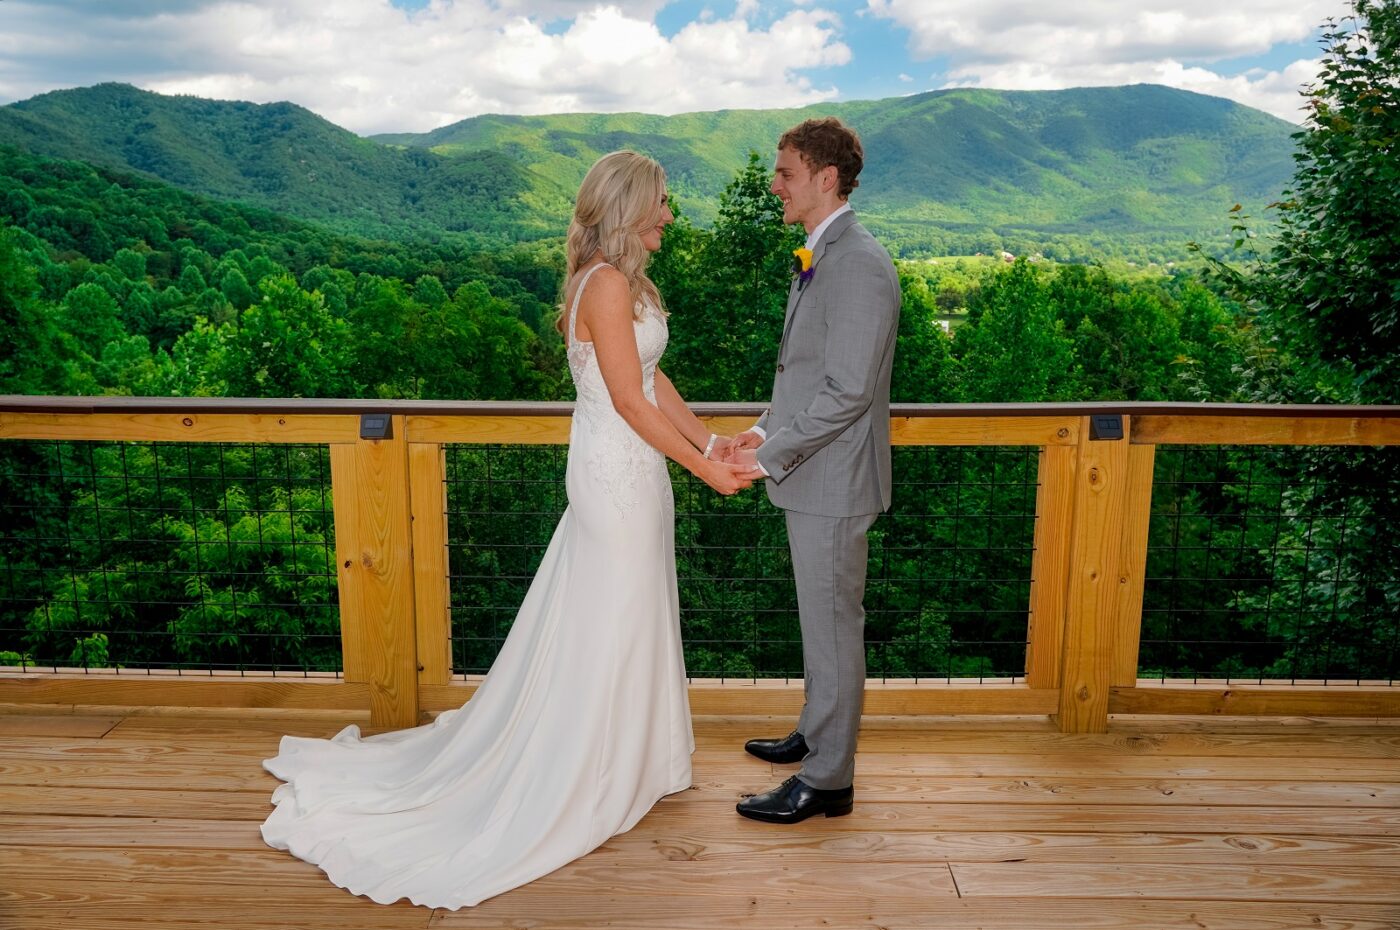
1129	172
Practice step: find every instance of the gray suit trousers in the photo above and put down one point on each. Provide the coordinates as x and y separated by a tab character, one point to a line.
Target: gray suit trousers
829	561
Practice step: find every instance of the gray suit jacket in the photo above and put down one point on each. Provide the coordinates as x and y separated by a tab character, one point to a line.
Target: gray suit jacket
828	426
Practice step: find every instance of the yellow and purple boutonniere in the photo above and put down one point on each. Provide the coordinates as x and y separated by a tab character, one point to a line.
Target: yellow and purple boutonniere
802	265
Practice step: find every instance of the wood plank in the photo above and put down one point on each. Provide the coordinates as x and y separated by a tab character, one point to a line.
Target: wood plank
182	427
1204	723
112	905
881	698
1336	701
655	839
254	716
427	469
92	914
688	878
1282	745
223	733
984	431
122	904
900	817
1215	882
185	691
267	868
681	815
876	750
66	726
640	850
374	568
170	733
1274	431
725	788
760	848
490	430
913	430
23	768
1054	517
651	909
1095	583
1132	566
245	804
137	766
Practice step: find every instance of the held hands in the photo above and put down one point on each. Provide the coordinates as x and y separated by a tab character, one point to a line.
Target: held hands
724	477
744	451
733	464
748	460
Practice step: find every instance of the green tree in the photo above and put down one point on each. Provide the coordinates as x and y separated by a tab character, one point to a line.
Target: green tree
924	371
32	353
236	291
285	345
131	264
91	317
1328	290
1013	348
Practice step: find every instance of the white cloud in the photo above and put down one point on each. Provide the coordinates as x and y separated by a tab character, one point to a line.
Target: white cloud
371	67
1011	44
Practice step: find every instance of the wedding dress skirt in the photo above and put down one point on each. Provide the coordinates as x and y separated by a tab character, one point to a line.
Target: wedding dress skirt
581	725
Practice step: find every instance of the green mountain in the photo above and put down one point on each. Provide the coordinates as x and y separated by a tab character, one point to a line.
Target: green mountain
1084	170
1143	160
276	156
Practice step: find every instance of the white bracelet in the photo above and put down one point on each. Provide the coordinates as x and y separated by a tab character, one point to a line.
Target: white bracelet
710	446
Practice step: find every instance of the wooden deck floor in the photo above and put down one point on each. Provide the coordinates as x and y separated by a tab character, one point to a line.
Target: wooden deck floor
124	819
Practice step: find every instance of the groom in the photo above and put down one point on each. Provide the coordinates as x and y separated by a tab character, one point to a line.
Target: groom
824	445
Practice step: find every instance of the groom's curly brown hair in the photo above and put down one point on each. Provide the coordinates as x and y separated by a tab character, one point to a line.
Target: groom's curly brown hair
828	141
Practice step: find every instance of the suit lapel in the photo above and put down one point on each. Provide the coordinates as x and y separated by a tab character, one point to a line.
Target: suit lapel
833	232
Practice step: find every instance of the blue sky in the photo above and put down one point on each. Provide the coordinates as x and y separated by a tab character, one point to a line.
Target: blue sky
413	65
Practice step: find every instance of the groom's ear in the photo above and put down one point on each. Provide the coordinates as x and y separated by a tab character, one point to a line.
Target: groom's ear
828	178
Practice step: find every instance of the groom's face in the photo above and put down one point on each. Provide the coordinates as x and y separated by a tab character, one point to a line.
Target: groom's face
797	187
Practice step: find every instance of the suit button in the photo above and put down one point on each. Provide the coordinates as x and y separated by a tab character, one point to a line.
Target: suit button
780	369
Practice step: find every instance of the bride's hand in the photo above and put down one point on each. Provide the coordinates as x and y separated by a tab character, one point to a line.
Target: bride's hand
725	477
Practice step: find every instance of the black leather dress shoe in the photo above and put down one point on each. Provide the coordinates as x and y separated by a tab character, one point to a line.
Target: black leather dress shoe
791	748
794	801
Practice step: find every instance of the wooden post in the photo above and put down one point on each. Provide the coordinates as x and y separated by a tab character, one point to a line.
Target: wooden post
1133	565
1095	582
427	468
373	546
1054	511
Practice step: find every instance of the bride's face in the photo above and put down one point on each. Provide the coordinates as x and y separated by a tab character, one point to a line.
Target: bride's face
651	235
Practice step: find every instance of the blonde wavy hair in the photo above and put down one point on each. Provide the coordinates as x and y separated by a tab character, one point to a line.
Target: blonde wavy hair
618	199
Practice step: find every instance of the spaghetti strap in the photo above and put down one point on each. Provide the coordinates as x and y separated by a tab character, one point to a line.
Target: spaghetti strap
573	311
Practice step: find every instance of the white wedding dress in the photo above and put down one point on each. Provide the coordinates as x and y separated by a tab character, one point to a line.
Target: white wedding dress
582	724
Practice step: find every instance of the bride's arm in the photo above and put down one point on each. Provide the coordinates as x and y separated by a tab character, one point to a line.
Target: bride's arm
673	405
606	309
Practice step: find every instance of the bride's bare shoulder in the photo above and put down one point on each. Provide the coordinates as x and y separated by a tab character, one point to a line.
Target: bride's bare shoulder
607	290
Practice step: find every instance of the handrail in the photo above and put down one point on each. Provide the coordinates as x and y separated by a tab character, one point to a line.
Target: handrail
36	403
1087	574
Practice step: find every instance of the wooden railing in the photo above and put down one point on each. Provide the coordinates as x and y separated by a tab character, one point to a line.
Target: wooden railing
1087	572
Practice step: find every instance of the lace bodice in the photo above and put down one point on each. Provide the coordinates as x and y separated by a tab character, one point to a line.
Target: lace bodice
616	456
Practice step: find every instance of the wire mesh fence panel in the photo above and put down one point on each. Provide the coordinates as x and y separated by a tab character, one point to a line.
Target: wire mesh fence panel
947	592
143	556
1273	563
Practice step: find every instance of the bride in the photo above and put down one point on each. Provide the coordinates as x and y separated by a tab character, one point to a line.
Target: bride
582	723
